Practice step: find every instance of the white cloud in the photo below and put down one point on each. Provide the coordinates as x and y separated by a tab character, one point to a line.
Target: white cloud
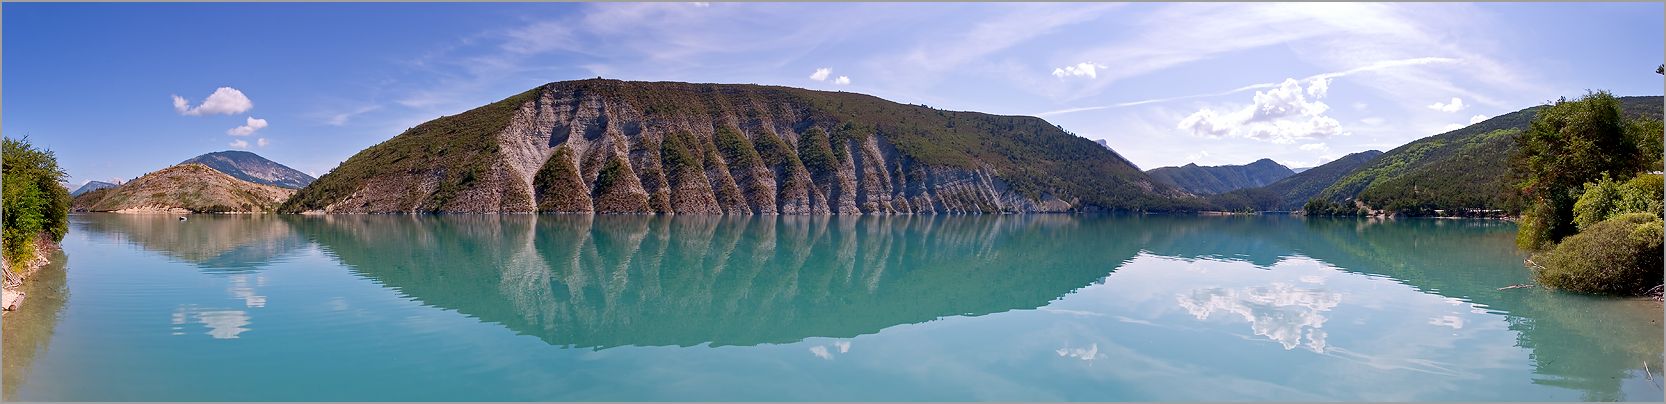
1373	121
1084	69
250	125
239	144
1314	147
1283	114
224	101
1194	157
261	142
1318	87
1455	105
821	74
842	80
1451	127
701	4
1477	119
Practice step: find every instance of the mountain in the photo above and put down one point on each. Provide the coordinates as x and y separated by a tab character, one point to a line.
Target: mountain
1217	179
1293	191
1463	168
614	146
1107	145
253	168
1298	170
91	186
188	187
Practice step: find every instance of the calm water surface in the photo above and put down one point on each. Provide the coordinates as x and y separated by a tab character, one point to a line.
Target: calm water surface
1044	307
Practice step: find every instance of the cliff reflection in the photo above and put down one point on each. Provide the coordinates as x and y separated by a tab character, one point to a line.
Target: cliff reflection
605	281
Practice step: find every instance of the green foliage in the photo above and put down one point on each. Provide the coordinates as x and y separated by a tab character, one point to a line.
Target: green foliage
1569	144
813	150
32	203
611	174
1321	207
1621	255
675	152
1607	198
735	149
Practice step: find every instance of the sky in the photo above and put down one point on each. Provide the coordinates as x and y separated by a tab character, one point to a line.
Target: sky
120	90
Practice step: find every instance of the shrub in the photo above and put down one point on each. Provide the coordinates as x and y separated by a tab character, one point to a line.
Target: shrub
1608	198
1620	256
32	204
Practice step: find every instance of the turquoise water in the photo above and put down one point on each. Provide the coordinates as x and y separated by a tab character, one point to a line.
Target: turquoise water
1044	307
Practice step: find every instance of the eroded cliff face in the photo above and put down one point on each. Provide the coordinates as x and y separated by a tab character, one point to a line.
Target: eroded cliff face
568	149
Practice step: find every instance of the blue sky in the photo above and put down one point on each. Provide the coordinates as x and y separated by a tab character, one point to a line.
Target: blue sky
308	85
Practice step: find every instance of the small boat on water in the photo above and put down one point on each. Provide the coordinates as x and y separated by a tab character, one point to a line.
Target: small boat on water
182	218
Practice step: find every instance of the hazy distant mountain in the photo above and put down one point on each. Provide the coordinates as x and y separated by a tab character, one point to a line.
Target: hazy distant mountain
615	146
253	168
1218	179
1298	170
91	186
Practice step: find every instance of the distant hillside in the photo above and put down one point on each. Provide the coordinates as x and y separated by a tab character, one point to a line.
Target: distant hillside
91	186
253	168
1295	190
183	188
1218	179
1464	168
613	146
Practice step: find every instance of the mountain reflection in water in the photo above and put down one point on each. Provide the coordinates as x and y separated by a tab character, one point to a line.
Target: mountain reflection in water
600	282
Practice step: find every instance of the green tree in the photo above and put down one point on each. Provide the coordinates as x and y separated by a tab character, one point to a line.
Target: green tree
1569	144
1608	198
32	203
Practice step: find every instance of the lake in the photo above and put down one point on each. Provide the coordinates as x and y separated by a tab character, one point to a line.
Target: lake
905	308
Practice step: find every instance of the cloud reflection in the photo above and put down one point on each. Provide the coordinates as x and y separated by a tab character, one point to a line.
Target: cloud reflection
1282	312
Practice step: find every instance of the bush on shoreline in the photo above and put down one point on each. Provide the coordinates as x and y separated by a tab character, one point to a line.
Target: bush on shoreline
32	203
1618	256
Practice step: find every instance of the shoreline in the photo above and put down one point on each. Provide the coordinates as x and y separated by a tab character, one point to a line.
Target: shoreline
11	293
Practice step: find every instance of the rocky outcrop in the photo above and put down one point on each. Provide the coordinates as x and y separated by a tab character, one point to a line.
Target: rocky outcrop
623	147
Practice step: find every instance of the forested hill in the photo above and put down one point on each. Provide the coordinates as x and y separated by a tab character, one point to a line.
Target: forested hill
1463	168
1208	180
665	147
